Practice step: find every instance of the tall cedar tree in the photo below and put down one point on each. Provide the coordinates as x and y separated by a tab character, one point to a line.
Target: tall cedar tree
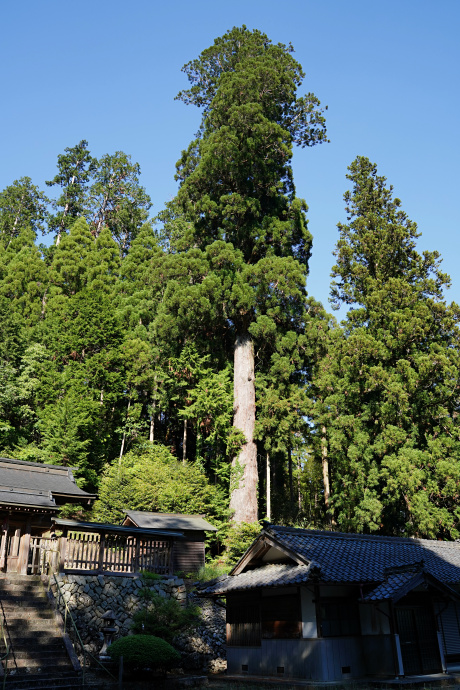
387	391
237	187
75	168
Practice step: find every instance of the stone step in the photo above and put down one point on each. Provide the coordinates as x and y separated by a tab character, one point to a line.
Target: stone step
32	681
18	623
6	577
26	609
45	655
30	593
46	639
40	662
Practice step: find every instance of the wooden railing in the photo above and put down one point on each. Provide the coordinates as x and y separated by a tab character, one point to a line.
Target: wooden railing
114	553
43	552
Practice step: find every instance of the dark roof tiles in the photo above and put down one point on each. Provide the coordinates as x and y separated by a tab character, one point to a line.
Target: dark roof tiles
28	483
365	558
144	519
268	576
390	588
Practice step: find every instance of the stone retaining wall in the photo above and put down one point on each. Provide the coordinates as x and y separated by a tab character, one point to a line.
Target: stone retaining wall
89	597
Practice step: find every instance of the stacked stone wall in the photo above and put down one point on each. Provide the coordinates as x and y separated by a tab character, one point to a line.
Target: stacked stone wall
89	597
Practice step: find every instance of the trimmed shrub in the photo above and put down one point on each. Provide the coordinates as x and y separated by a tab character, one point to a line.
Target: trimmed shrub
144	651
162	617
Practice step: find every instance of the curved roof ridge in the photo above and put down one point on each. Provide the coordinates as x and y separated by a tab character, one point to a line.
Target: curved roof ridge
352	536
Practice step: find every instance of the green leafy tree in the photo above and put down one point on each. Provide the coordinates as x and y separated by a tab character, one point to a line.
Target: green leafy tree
238	195
387	389
151	478
117	200
22	205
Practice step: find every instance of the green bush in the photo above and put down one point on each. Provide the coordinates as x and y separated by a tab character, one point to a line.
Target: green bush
239	538
211	570
144	651
151	478
163	617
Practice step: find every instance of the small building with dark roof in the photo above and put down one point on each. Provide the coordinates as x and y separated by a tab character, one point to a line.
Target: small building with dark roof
30	495
326	606
189	553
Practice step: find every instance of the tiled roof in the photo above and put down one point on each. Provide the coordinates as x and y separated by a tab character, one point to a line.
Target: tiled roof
41	499
364	558
176	521
33	477
394	585
269	575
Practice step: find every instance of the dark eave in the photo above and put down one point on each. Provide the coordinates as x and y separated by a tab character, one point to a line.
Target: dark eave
97	527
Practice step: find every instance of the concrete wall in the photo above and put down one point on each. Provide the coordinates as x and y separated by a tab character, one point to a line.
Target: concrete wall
315	659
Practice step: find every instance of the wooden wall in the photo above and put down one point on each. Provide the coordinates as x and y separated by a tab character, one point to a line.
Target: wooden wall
188	553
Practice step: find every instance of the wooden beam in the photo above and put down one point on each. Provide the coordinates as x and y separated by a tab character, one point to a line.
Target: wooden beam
263	541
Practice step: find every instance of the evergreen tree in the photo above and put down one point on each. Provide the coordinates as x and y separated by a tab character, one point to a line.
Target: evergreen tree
75	168
238	194
387	390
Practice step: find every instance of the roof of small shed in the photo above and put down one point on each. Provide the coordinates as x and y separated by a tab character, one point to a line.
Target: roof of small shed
143	518
33	484
100	527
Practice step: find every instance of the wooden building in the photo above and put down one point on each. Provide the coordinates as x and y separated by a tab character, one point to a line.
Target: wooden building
326	606
188	555
30	495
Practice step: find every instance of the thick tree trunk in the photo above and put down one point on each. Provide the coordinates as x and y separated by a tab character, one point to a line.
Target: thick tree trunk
325	467
243	500
291	486
268	488
124	438
184	443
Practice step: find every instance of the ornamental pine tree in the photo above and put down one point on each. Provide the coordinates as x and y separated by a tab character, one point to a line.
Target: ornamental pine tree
387	390
237	190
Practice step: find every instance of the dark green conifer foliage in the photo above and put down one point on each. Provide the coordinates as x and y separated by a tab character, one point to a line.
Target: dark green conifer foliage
75	168
387	391
237	191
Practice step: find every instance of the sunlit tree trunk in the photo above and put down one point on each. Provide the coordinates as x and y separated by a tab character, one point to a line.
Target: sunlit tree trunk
243	500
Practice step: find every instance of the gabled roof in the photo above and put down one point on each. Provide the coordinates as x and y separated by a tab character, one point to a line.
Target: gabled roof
398	585
334	557
32	484
176	521
366	558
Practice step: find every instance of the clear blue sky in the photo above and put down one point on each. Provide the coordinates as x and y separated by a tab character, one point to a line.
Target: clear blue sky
108	72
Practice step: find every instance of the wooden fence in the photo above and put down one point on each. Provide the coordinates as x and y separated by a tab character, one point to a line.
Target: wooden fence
101	553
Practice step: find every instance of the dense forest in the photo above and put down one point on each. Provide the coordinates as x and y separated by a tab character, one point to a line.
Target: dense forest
177	361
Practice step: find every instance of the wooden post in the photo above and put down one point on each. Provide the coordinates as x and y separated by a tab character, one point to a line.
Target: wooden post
5	527
24	549
62	551
100	562
137	553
